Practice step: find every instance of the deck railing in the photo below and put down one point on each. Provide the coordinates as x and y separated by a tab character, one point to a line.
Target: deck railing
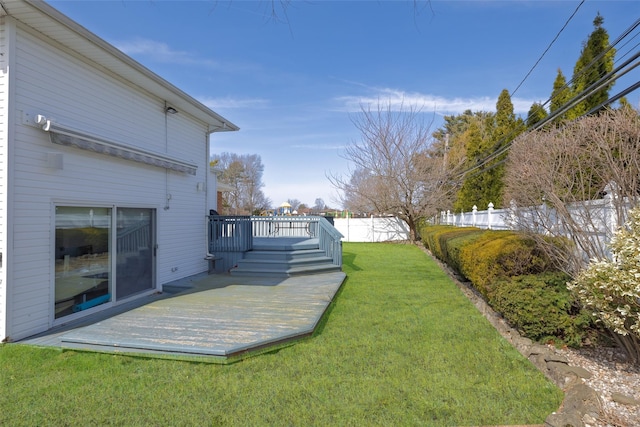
236	233
229	234
330	240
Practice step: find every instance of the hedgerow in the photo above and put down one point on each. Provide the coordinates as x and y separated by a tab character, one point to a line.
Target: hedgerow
542	308
516	278
500	254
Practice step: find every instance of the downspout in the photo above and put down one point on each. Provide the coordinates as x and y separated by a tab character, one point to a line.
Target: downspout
209	256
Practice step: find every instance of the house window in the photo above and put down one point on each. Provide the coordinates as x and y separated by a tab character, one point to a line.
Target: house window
82	258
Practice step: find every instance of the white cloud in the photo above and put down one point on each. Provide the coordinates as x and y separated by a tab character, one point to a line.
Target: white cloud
398	99
235	103
162	52
157	50
318	146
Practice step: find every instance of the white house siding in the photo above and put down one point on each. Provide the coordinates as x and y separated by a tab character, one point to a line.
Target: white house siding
51	81
182	237
4	153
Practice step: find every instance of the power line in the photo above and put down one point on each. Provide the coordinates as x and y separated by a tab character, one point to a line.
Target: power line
548	47
595	60
594	87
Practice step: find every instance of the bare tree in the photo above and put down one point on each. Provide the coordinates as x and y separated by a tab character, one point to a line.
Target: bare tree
295	204
393	171
319	205
556	180
243	173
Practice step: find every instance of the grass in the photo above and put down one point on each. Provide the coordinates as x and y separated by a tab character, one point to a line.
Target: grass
401	345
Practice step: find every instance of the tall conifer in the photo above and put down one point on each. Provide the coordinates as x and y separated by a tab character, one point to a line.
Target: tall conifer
595	61
561	92
536	113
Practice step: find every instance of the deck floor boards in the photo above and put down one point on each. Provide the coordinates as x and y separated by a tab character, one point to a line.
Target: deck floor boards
219	316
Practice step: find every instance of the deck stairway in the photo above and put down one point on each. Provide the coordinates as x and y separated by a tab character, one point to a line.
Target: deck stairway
284	257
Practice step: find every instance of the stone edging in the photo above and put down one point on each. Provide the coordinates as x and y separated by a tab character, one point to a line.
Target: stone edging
581	405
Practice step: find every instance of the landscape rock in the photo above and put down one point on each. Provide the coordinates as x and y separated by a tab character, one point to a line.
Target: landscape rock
563	420
624	399
554	357
564	368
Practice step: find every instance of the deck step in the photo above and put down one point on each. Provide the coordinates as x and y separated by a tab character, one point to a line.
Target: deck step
284	244
284	259
285	264
295	271
284	255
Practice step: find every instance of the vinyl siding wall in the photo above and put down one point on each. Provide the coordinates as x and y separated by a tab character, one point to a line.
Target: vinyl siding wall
4	154
53	82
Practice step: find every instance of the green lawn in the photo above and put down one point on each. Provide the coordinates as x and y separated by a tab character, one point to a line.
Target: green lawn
401	346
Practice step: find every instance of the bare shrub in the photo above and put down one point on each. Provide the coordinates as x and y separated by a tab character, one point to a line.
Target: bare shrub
577	182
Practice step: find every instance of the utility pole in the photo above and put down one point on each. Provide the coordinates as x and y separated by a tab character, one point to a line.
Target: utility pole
446	149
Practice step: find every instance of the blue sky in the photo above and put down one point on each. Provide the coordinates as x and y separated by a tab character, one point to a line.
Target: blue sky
293	83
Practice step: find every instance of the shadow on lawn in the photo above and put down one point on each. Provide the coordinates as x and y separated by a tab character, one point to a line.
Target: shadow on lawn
348	259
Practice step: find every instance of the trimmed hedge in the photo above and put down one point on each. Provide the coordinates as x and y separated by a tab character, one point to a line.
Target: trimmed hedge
500	254
542	308
444	241
515	277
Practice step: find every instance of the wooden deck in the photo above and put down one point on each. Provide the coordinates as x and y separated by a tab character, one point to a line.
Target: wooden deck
216	318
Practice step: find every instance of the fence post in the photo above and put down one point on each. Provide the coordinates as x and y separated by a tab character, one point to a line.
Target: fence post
513	218
474	212
489	214
448	217
610	213
373	230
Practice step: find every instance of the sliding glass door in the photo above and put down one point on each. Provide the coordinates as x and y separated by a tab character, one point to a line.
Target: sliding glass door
135	247
87	242
82	258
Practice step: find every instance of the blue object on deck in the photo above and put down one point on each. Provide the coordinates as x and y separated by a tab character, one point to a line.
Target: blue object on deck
91	303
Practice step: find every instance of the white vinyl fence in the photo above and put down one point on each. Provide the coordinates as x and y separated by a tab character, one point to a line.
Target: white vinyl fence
492	219
598	219
372	229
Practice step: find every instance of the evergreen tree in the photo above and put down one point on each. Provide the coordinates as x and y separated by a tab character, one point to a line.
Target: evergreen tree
486	153
595	61
471	191
536	114
624	103
507	127
561	92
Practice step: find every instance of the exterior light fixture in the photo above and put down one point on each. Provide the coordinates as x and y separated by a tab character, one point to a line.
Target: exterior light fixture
171	110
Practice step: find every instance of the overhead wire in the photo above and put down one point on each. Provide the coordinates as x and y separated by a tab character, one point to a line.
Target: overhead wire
548	47
586	68
501	147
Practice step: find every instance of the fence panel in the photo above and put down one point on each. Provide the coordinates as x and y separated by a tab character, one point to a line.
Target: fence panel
372	229
597	220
